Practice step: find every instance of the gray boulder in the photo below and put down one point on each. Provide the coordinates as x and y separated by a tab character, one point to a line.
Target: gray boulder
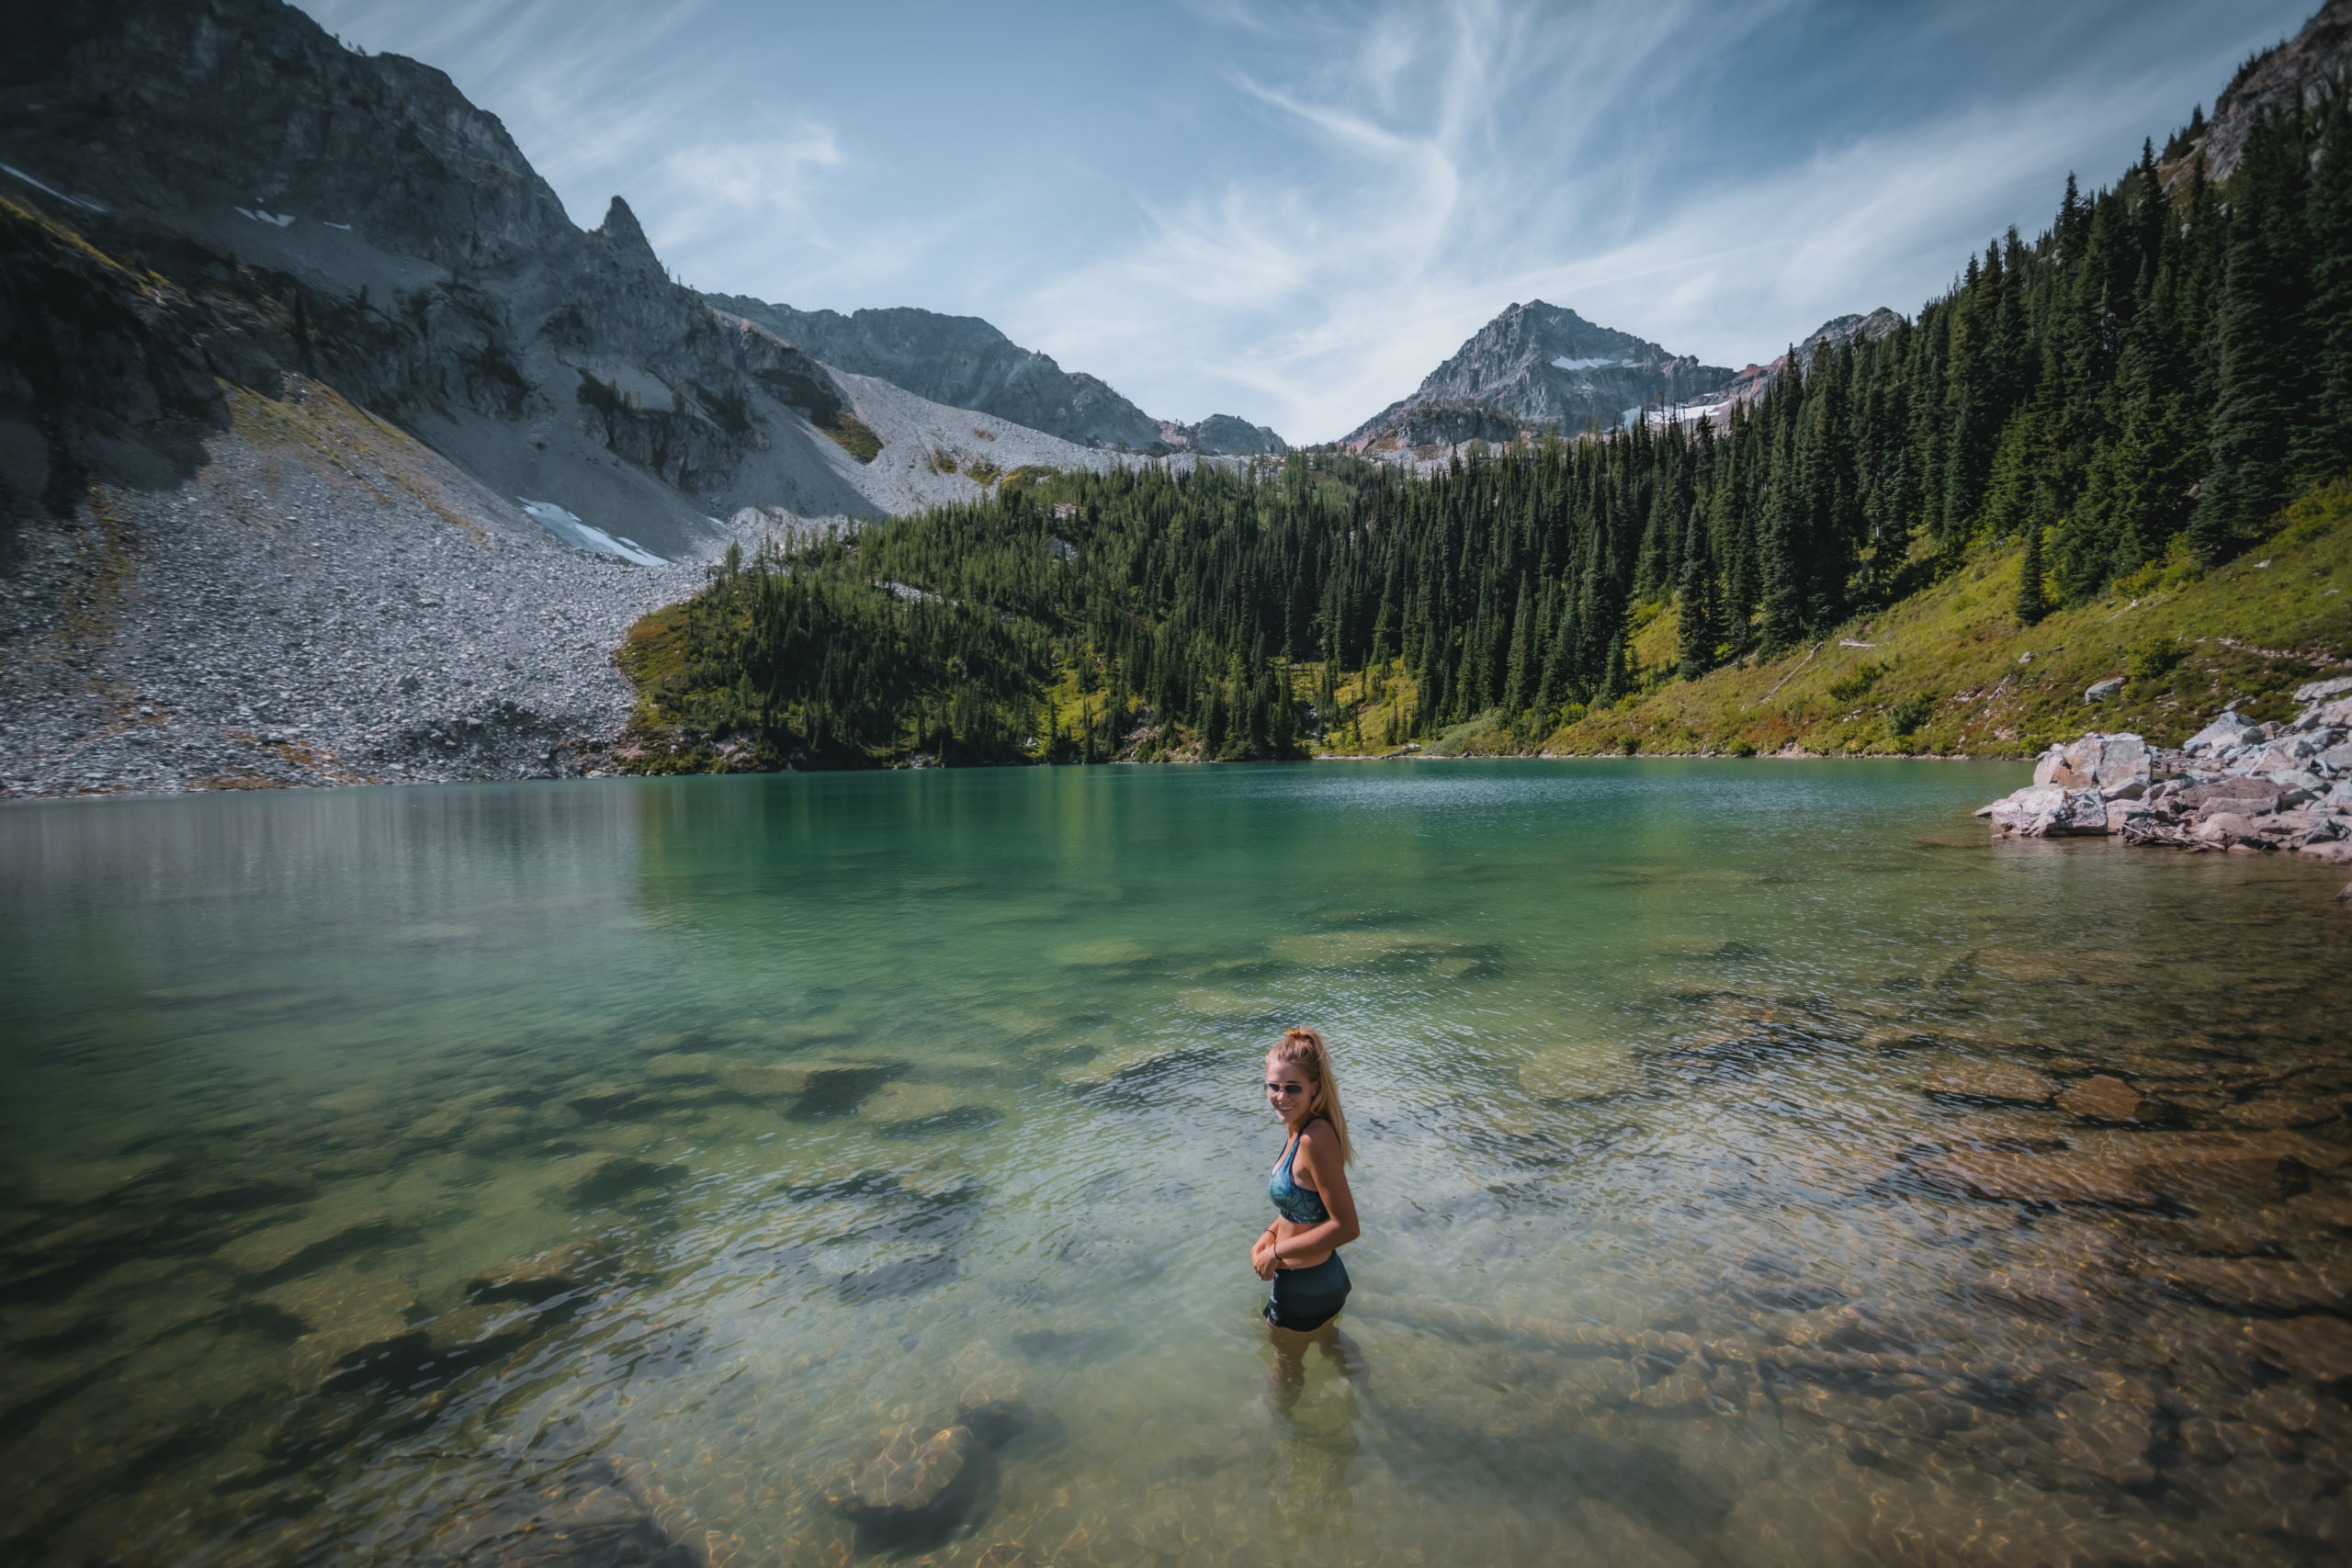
2113	764
2048	811
2230	729
2099	691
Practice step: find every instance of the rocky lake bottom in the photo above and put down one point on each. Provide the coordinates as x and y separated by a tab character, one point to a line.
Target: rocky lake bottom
1758	1164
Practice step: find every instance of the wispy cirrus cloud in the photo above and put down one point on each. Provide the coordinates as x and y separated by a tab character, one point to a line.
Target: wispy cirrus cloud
1293	213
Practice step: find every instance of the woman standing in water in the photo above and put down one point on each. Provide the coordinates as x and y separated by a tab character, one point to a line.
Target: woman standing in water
1315	1215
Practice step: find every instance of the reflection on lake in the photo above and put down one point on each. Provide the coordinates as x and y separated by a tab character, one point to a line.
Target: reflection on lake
1758	1167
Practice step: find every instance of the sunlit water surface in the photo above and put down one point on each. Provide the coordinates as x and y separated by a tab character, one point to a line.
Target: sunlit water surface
855	1107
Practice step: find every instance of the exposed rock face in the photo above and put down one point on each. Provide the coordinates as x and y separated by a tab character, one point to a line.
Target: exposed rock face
1757	379
1539	366
2236	784
1223	436
2298	73
961	361
966	363
352	218
235	102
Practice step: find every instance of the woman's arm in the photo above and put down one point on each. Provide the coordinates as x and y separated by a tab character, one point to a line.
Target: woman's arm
1320	1155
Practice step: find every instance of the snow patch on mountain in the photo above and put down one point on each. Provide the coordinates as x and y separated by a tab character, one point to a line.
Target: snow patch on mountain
585	536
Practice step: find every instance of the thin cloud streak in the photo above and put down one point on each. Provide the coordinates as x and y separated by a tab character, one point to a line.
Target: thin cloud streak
1293	214
1345	293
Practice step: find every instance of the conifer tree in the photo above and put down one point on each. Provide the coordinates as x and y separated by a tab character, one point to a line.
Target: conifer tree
2323	447
1519	684
2252	401
1700	630
2031	605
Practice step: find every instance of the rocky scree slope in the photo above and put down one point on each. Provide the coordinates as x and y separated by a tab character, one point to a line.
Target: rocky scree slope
1537	365
326	601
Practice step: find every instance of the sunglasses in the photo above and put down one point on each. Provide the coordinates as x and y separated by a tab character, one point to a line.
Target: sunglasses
1285	1088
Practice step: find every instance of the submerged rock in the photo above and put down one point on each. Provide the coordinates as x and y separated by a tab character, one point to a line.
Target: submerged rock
901	1104
2262	1167
596	1178
2258	1284
536	1278
600	1099
2001	1177
2318	1347
2004	1085
306	1240
72	1186
356	1327
1575	1072
827	1080
481	1330
913	1483
683	1064
2105	1098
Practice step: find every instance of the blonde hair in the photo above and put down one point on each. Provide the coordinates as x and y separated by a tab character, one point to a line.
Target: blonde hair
1305	1048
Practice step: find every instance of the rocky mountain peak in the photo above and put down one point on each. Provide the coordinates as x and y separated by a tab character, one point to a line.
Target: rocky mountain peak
626	237
1538	365
2299	73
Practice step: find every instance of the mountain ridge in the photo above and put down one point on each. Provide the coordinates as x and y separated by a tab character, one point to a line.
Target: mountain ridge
968	361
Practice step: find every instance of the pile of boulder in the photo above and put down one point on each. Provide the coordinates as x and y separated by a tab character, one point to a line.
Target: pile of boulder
2238	783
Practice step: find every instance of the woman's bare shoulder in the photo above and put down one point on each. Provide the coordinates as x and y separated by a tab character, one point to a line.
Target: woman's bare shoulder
1317	1138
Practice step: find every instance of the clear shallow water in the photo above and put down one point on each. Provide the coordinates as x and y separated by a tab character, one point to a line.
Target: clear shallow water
848	1104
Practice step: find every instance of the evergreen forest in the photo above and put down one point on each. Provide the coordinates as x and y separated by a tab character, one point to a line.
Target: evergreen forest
2130	398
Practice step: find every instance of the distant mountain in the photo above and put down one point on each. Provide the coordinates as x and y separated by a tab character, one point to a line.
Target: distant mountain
1222	435
961	361
964	362
1539	366
1754	381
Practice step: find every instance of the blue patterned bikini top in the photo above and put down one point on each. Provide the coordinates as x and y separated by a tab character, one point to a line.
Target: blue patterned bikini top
1299	1205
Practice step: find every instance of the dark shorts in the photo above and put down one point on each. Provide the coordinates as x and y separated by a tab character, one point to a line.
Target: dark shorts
1307	1299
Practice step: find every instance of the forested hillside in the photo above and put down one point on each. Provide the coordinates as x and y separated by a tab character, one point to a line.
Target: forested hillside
2115	407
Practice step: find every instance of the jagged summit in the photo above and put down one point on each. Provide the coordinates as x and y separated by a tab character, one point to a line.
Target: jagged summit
626	236
1542	366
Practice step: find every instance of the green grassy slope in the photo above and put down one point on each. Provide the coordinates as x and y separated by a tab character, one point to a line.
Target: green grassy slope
2188	641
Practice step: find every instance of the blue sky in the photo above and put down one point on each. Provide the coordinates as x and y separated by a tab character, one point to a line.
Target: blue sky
1293	213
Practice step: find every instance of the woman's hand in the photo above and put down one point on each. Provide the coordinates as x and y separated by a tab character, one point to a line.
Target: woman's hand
1263	1257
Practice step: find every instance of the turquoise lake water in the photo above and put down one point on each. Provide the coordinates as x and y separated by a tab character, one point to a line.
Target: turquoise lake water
599	1172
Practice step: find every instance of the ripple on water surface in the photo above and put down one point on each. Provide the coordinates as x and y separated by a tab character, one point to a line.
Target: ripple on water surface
1758	1167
